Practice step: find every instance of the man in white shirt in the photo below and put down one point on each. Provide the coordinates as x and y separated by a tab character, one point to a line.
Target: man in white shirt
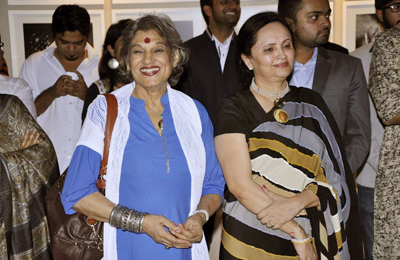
16	87
59	97
212	70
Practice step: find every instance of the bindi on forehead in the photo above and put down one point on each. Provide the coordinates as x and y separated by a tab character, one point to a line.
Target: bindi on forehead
147	40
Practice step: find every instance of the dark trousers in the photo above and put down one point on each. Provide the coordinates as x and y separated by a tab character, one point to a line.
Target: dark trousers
366	199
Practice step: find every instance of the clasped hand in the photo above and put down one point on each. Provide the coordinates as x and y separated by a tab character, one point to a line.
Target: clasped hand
178	236
280	211
66	86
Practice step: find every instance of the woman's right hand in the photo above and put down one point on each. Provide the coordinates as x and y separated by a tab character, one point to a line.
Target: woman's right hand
155	226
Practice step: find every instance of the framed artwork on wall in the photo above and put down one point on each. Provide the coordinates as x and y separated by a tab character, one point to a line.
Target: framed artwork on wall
188	21
30	31
149	1
53	2
360	24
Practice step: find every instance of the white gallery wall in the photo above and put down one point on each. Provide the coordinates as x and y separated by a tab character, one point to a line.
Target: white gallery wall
22	32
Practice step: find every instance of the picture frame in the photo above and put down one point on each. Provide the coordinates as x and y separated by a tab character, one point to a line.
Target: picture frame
19	18
149	1
354	27
53	2
188	20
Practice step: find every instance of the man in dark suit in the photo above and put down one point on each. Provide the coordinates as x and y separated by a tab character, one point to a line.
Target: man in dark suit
212	70
337	77
340	80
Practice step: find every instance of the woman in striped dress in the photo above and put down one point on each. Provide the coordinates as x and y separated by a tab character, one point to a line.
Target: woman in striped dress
282	158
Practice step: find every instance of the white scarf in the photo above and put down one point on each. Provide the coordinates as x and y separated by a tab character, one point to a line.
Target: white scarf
188	127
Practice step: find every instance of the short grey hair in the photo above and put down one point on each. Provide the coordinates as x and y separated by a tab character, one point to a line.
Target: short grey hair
166	29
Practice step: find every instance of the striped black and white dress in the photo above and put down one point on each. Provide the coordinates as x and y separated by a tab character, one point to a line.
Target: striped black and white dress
304	153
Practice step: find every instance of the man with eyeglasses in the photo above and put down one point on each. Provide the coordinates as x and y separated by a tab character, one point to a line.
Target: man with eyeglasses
16	87
388	12
212	70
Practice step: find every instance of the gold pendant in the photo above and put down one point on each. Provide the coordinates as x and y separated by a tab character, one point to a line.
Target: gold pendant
281	116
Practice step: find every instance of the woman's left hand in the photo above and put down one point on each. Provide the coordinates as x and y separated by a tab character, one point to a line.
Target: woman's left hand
280	211
192	230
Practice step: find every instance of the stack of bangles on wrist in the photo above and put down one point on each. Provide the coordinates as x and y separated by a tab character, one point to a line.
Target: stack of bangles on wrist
127	219
303	241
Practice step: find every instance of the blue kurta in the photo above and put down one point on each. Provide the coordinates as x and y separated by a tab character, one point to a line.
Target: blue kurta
145	183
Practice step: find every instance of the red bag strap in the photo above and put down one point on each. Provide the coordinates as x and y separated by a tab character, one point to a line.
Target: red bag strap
112	112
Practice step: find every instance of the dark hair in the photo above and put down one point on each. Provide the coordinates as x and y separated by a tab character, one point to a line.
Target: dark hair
289	8
247	37
166	29
71	18
202	4
113	34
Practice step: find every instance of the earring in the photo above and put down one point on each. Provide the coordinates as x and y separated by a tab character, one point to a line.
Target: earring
113	63
250	68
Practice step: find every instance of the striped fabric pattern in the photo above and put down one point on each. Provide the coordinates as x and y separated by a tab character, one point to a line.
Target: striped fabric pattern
287	159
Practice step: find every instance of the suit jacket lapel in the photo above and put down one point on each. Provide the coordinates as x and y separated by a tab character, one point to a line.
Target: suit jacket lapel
322	70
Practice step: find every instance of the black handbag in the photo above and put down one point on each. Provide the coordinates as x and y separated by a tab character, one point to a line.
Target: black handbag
77	237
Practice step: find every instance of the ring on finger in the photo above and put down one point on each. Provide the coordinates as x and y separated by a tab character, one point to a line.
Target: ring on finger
167	247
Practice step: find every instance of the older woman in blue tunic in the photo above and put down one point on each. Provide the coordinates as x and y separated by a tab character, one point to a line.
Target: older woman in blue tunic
162	166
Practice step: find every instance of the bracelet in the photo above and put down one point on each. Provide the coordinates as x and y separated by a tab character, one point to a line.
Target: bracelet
303	241
202	211
127	219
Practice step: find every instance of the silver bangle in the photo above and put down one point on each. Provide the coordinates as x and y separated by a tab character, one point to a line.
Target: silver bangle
127	219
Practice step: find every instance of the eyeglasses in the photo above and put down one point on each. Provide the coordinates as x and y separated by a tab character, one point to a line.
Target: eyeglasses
394	7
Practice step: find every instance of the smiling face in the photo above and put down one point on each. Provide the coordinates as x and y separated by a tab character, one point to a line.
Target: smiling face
272	56
225	12
150	60
70	45
313	26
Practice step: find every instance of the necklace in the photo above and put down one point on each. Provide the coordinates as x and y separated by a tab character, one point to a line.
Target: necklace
161	128
280	115
270	94
161	122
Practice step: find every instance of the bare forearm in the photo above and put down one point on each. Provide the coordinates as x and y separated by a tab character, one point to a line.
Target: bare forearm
250	195
95	206
44	100
308	199
394	121
210	203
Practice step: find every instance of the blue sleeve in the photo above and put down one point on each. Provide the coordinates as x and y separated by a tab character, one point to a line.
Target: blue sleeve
214	182
81	178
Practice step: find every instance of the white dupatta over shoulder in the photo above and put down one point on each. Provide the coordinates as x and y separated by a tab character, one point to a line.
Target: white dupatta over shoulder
188	128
